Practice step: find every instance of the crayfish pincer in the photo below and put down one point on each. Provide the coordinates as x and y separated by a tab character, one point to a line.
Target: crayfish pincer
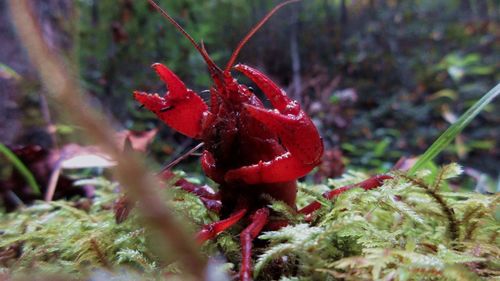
249	150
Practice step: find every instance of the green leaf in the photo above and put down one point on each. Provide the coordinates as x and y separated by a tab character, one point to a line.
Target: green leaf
445	93
381	147
442	142
18	164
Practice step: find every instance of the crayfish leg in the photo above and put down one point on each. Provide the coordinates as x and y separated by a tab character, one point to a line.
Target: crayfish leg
210	199
210	168
211	230
259	220
371	183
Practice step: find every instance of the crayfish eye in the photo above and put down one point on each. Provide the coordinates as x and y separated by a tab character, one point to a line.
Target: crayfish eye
250	88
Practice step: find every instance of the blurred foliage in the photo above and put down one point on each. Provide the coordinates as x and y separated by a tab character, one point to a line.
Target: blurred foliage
380	77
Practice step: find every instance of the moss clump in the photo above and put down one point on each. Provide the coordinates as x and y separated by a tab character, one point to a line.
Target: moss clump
82	238
405	230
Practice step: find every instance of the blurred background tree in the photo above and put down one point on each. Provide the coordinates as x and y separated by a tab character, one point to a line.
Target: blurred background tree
381	78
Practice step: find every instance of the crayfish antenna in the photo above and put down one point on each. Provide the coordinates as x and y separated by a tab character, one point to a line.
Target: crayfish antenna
253	31
211	64
215	70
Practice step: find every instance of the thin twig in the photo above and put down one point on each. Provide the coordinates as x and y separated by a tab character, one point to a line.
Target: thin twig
54	178
98	252
447	210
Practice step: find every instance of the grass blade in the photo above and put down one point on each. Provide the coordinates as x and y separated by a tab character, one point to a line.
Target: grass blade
443	141
8	73
19	165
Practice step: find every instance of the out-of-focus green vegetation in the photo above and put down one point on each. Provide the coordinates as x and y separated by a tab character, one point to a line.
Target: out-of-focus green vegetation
381	78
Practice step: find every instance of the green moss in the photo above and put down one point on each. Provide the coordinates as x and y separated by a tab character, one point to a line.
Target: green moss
405	230
400	231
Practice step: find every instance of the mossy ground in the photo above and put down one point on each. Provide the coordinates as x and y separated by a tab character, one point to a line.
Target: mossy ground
411	228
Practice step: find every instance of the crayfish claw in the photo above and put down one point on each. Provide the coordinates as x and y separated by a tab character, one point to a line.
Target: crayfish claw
297	133
176	88
180	108
275	94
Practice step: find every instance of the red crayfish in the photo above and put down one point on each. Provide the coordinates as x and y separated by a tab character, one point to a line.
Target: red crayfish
249	150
